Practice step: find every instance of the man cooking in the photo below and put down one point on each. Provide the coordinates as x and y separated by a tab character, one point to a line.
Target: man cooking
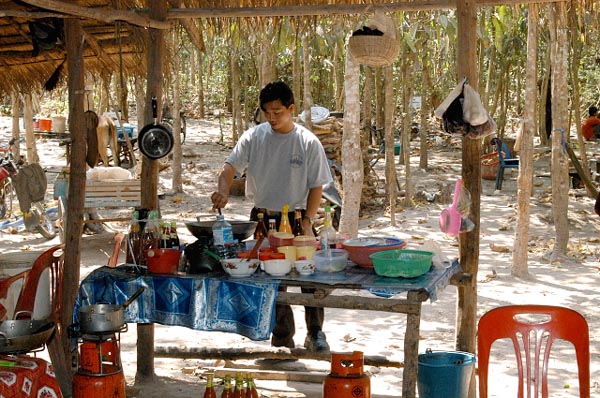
285	164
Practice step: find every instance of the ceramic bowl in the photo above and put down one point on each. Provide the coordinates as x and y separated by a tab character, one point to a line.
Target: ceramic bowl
331	260
305	267
277	267
239	267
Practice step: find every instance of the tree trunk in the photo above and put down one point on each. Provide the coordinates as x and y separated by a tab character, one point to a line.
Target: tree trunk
352	172
307	103
407	91
525	178
425	105
560	128
155	57
201	105
338	87
368	103
543	106
176	183
235	95
32	153
296	83
27	117
466	314
390	169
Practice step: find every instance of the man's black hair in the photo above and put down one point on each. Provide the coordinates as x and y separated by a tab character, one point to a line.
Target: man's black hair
593	110
276	91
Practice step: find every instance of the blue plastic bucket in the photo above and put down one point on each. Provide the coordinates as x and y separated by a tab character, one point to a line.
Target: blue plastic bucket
445	374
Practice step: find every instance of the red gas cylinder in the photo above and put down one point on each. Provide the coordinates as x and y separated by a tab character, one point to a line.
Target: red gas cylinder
347	379
107	385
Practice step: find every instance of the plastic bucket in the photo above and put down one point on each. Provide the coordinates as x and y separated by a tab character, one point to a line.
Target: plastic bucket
59	124
445	374
45	124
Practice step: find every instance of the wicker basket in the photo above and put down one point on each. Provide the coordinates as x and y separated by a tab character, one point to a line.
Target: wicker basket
489	166
374	50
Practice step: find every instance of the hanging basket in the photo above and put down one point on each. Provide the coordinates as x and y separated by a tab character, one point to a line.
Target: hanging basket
489	166
374	51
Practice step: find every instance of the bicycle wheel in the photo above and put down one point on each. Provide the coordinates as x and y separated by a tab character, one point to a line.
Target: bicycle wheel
6	200
45	226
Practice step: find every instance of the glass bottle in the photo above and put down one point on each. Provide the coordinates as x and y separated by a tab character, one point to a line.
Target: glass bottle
227	391
298	229
251	391
328	234
261	228
134	237
284	224
165	235
222	236
209	391
151	235
174	237
239	386
272	226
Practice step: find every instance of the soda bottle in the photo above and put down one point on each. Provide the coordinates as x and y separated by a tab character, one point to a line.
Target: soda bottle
227	391
298	228
272	226
134	238
284	224
174	237
328	234
261	228
209	391
222	236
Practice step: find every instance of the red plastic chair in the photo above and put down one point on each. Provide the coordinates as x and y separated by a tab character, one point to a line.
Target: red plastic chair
533	340
52	259
5	286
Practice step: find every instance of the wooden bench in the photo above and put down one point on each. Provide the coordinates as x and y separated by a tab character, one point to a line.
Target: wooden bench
112	194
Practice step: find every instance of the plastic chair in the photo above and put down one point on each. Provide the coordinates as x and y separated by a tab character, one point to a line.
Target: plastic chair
506	162
533	339
52	259
114	258
5	286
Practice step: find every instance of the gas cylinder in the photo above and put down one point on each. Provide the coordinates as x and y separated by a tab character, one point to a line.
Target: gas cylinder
347	379
100	386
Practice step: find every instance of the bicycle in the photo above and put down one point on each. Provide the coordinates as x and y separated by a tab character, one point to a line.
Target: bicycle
29	183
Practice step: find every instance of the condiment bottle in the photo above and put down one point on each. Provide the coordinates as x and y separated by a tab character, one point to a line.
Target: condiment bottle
272	226
261	228
227	391
239	386
134	238
298	228
151	236
284	224
174	237
251	391
209	391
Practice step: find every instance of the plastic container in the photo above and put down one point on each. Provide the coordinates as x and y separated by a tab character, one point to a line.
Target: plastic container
45	124
59	124
445	374
402	263
163	261
332	260
359	249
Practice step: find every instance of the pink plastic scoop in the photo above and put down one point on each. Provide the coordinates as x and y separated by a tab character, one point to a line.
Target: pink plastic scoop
451	219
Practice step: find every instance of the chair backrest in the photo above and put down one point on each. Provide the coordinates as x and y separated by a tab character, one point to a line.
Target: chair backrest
532	330
5	286
502	149
52	260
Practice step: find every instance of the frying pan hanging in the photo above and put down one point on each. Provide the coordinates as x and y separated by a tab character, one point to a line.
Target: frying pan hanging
155	140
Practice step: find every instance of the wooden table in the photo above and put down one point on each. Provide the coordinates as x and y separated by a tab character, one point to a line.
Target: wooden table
396	295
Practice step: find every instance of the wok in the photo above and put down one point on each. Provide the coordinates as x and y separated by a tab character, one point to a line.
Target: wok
203	229
21	336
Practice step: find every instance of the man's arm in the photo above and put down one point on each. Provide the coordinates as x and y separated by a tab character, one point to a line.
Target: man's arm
221	196
312	206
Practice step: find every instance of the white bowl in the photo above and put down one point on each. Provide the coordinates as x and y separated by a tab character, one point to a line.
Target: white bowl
277	267
305	267
331	260
239	267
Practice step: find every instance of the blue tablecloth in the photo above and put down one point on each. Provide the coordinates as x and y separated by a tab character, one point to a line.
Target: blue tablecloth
245	306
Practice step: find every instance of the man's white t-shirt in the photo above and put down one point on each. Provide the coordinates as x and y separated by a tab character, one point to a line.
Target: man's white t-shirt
281	168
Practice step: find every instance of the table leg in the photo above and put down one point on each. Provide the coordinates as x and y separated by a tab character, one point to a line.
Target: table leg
145	353
411	349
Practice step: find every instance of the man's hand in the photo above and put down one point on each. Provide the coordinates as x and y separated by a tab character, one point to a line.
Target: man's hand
219	200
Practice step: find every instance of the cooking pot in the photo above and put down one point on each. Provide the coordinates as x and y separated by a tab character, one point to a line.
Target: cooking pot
155	140
203	229
24	335
104	318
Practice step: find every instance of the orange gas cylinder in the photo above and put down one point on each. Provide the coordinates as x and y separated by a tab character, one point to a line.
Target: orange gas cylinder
94	354
99	386
347	379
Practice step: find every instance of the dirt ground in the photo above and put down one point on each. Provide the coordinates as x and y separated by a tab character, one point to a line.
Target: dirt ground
572	283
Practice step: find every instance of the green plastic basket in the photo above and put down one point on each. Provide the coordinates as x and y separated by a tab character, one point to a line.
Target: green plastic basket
401	263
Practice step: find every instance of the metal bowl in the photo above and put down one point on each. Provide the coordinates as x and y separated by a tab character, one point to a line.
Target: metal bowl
203	229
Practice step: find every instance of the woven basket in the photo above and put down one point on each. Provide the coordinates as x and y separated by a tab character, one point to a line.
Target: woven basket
489	166
374	50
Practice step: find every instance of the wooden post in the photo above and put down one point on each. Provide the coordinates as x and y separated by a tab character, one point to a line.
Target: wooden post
60	344
154	88
466	315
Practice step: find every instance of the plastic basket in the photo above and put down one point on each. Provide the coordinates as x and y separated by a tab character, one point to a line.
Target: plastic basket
489	166
401	263
374	50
